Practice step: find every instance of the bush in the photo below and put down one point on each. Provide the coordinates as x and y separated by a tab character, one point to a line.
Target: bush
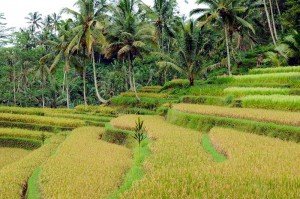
199	122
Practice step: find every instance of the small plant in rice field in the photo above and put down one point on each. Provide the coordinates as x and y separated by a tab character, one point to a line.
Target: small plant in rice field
139	131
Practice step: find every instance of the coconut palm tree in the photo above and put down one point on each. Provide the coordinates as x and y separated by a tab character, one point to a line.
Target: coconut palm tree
130	37
289	48
34	20
192	49
59	53
88	32
225	13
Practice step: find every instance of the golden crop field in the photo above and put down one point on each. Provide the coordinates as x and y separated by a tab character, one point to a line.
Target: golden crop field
174	165
13	177
23	133
257	167
41	120
280	117
84	167
10	155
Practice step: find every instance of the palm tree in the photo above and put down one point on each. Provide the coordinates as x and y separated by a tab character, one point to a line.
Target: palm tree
192	48
4	31
56	20
289	48
59	53
227	14
162	17
131	37
42	72
34	20
88	32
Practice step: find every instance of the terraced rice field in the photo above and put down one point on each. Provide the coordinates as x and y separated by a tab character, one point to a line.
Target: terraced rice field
84	167
280	117
10	155
193	173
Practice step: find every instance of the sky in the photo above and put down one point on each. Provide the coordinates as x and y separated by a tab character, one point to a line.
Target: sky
15	11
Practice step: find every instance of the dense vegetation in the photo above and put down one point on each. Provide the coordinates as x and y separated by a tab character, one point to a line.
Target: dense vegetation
103	48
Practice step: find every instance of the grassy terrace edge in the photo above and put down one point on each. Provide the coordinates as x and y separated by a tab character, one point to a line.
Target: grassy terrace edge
139	155
206	122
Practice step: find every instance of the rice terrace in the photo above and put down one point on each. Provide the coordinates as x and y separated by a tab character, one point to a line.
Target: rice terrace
150	99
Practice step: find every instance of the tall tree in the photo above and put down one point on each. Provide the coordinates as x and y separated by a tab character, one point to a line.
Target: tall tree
4	31
34	20
88	32
225	13
193	48
131	37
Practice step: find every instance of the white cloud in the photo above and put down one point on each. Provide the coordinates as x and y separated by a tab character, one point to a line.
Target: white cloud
16	10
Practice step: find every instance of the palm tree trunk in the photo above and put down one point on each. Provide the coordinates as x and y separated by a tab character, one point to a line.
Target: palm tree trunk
126	79
279	13
95	81
192	79
228	50
133	79
67	89
84	85
43	88
273	20
14	89
130	75
269	22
